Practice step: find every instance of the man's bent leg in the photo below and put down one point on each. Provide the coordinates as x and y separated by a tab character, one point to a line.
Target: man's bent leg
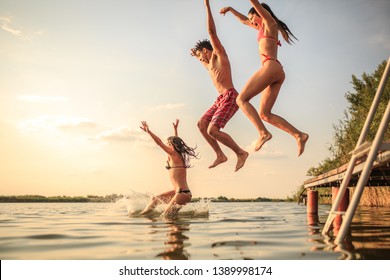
203	127
228	141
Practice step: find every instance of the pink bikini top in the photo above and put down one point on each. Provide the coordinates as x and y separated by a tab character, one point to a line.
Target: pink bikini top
260	35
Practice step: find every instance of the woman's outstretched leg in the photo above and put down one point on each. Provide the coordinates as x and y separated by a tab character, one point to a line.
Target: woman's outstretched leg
164	197
177	201
255	85
267	102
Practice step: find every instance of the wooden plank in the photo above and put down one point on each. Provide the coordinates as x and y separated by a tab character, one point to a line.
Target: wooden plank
335	176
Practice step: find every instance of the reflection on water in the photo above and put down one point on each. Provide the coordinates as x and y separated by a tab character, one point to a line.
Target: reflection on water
275	231
176	241
327	243
367	238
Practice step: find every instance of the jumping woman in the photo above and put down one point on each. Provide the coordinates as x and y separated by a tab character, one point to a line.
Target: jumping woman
179	155
270	77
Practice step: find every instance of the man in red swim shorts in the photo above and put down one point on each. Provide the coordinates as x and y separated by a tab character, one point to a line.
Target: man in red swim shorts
213	56
223	109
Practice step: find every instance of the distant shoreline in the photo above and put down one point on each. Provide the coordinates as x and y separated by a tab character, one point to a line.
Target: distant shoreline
111	199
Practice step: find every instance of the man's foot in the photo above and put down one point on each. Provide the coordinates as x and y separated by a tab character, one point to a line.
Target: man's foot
241	158
219	160
260	142
302	139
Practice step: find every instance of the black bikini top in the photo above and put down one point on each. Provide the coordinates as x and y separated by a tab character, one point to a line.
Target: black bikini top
179	166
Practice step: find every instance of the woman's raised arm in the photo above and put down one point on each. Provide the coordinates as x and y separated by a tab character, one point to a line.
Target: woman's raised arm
242	18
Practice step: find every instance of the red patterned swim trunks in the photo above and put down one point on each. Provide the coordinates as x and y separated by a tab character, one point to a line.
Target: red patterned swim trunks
223	109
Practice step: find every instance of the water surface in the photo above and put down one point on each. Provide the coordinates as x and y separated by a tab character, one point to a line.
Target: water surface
258	230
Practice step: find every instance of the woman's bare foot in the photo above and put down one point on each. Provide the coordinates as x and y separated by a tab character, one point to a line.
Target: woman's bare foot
241	158
264	138
219	160
302	139
145	212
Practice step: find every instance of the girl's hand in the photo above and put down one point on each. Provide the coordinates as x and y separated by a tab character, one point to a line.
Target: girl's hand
224	10
145	126
176	124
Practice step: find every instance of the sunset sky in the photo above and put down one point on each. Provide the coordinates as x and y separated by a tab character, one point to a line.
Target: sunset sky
78	77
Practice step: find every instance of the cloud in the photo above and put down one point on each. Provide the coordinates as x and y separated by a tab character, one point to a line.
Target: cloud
269	154
53	124
273	154
122	134
381	39
84	171
42	99
264	153
76	123
6	23
166	107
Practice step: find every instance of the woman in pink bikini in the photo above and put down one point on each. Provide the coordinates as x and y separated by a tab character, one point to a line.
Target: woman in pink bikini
179	155
270	77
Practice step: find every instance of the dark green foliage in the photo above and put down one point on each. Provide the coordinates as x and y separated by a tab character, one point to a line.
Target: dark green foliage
347	130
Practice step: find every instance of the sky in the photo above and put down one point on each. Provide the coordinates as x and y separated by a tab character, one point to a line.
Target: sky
78	77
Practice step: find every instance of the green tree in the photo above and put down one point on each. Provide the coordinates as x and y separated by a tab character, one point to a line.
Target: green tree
347	130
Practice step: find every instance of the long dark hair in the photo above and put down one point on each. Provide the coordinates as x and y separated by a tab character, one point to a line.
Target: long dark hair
182	149
283	28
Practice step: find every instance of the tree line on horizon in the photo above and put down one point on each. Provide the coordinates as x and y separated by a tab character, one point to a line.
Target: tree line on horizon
63	198
111	198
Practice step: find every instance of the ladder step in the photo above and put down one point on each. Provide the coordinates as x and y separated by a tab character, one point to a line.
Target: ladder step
365	148
362	150
336	212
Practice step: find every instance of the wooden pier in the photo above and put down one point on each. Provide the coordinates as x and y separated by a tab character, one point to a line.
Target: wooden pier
380	172
368	166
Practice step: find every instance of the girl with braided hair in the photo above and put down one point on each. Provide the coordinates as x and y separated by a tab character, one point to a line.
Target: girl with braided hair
179	155
269	78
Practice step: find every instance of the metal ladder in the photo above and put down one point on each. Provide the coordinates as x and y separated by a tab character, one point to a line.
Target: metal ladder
362	148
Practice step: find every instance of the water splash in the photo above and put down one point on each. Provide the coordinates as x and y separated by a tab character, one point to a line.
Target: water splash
196	209
136	202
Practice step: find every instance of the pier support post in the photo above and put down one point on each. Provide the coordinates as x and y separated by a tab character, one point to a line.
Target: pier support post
342	208
344	201
312	202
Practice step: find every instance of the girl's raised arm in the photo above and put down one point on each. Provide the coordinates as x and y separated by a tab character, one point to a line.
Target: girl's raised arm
156	139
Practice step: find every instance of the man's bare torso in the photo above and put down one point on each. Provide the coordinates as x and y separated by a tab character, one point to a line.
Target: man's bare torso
220	72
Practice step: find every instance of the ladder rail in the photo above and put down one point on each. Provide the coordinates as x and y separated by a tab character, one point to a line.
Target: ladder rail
372	155
343	187
360	142
374	105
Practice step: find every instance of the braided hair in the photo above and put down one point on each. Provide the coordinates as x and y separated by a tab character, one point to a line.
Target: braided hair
283	28
182	149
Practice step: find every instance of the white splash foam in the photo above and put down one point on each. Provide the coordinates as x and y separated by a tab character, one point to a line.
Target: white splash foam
136	202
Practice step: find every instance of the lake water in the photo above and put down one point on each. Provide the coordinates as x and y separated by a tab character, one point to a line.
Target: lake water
206	231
